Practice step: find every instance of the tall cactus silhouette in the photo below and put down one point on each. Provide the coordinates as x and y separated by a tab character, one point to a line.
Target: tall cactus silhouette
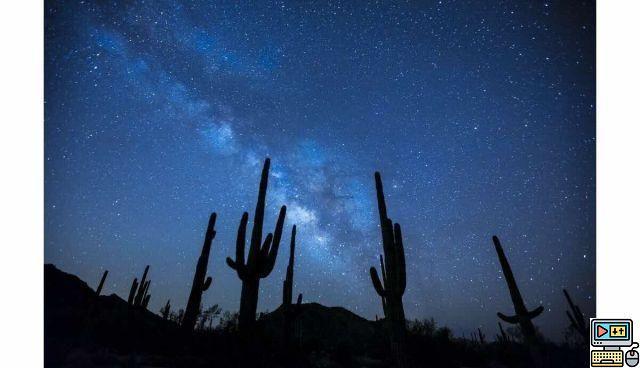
262	255
101	284
523	316
200	280
394	279
290	310
576	317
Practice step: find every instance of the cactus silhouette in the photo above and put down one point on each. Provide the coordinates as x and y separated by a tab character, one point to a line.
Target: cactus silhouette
291	311
101	284
132	291
576	317
261	258
139	291
394	279
503	337
481	336
145	301
166	310
141	288
200	280
523	316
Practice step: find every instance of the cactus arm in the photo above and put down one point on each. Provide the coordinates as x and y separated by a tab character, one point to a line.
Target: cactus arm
376	282
207	283
258	217
402	275
383	271
266	245
241	239
265	267
231	263
101	284
277	235
535	313
509	319
145	301
299	301
132	291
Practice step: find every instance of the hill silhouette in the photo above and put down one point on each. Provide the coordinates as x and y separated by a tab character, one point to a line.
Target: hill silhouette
83	329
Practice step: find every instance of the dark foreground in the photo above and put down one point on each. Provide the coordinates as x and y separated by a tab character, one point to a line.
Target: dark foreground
86	330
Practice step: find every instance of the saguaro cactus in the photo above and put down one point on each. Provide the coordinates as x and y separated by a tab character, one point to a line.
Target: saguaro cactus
200	280
262	255
394	280
523	316
291	311
139	291
101	284
576	317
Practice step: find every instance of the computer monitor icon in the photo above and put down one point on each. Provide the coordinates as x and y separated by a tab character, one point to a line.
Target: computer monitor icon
611	333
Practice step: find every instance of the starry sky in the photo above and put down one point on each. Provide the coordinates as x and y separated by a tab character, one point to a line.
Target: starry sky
479	115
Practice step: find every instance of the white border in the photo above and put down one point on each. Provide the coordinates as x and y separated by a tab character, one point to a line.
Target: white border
618	153
21	160
21	153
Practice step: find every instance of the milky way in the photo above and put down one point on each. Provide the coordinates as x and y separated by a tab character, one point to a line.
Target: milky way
480	117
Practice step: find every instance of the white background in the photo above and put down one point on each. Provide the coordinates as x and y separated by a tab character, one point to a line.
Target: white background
21	155
618	161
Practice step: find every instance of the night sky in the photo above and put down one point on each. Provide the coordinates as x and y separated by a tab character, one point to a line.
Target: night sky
479	115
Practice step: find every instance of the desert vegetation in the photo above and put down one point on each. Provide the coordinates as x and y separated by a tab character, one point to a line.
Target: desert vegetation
115	332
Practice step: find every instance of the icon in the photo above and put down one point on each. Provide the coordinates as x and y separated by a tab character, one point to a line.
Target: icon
631	357
612	335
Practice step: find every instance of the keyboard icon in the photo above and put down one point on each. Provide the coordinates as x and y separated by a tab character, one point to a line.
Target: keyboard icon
606	358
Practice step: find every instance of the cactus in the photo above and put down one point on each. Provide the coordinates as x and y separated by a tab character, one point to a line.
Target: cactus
137	301
145	301
132	291
523	316
394	281
101	284
576	317
291	311
200	280
139	291
503	338
481	336
166	310
262	255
